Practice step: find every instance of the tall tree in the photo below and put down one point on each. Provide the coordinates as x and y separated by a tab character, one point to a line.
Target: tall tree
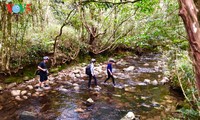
188	13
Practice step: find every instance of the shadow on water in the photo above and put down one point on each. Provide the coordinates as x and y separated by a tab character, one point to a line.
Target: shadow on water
146	101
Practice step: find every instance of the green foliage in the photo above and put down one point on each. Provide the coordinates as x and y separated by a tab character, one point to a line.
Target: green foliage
190	114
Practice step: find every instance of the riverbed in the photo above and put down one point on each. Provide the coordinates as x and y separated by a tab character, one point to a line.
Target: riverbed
139	89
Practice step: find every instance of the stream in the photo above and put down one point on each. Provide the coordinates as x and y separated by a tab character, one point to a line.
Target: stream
139	90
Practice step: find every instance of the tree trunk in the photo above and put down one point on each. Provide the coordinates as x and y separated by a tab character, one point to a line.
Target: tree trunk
188	13
197	3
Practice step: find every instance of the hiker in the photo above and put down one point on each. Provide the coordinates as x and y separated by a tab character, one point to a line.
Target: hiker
92	74
43	72
109	71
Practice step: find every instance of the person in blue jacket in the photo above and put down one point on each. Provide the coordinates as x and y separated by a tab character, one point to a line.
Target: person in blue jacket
109	71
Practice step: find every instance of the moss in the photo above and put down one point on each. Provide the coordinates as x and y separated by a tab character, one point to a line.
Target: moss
13	79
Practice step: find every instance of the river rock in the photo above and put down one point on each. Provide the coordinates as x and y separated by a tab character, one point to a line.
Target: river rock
30	87
71	75
18	98
29	94
146	64
90	100
15	92
76	71
129	69
155	82
11	85
23	92
147	81
164	80
129	116
25	97
76	88
78	75
141	83
75	84
26	115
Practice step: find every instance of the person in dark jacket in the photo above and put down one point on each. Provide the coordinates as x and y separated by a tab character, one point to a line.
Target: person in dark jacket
43	72
109	71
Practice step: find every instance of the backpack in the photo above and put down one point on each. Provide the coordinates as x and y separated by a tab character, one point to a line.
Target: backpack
88	70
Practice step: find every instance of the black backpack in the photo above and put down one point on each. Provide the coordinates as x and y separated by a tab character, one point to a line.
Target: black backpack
88	70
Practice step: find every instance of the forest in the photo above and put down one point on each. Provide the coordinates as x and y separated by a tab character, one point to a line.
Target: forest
72	32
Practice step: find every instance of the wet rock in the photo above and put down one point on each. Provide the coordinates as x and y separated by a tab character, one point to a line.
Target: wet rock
26	115
147	81
129	116
23	92
129	69
18	98
30	87
15	92
79	110
155	82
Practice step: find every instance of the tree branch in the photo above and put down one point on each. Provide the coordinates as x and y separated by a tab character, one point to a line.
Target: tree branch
107	2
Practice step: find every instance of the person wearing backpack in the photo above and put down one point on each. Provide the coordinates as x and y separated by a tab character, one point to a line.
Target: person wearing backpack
91	74
109	71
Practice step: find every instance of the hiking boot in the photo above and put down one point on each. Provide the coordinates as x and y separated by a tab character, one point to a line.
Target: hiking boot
46	85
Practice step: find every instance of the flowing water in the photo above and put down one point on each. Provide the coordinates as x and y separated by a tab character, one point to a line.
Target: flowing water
145	101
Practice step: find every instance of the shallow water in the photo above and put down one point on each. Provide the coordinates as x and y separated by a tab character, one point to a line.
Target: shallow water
145	101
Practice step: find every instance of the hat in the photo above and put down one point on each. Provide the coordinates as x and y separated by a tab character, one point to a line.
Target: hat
93	60
111	60
45	58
